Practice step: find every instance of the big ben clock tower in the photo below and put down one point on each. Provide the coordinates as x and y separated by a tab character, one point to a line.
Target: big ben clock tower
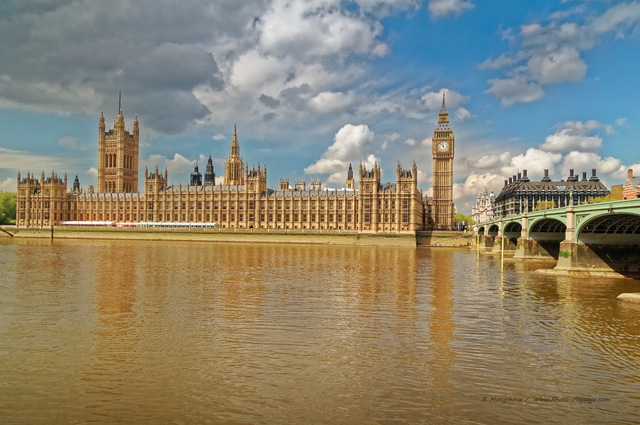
442	148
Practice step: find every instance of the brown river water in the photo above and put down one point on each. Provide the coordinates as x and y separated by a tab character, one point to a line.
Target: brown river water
108	332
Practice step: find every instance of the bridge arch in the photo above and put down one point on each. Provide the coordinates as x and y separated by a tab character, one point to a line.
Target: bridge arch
599	228
544	236
512	230
547	229
481	230
493	230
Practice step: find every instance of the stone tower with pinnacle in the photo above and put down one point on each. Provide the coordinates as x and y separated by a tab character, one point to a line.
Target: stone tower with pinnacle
442	146
118	152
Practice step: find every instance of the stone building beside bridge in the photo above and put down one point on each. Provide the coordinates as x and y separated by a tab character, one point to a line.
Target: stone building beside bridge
520	194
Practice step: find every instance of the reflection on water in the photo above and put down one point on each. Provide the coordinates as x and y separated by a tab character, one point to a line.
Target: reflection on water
147	332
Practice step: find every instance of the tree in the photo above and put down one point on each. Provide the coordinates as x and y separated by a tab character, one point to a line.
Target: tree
599	199
7	208
466	219
544	205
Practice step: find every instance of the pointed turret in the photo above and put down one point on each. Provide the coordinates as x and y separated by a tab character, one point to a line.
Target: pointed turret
443	108
196	177
209	175
234	171
350	182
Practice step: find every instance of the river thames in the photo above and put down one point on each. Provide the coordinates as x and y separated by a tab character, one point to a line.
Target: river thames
107	332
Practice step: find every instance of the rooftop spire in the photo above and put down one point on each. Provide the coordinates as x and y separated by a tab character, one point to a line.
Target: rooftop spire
119	102
443	108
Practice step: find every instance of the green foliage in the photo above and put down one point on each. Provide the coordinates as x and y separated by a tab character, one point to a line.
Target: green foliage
599	199
7	208
459	218
544	205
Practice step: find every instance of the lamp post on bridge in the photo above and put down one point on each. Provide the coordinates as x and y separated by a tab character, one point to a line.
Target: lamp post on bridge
570	234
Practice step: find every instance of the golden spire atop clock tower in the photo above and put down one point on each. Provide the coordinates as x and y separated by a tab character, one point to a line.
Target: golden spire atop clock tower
442	146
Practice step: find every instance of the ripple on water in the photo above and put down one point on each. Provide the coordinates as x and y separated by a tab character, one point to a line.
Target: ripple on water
148	332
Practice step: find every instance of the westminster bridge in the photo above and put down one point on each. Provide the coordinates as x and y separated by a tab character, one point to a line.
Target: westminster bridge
600	237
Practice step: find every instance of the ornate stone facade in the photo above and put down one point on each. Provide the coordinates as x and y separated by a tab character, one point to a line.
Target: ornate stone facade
520	194
484	209
243	201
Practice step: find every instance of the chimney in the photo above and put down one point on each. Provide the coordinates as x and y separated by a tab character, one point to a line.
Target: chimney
510	180
505	182
546	176
630	174
584	176
519	176
594	178
524	176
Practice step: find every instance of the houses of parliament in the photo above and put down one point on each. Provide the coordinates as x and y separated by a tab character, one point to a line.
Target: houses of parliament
244	201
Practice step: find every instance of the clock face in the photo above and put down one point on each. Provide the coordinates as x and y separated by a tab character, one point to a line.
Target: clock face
443	146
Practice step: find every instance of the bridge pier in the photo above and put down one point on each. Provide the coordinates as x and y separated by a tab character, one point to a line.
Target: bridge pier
599	259
486	242
509	244
537	249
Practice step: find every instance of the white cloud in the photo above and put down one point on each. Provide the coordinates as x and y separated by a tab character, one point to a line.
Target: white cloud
8	185
617	18
68	142
497	63
575	135
533	160
564	64
427	142
255	72
515	89
462	114
622	173
476	183
332	102
292	28
351	145
585	161
23	160
424	178
433	100
176	165
465	194
439	8
490	162
552	53
388	139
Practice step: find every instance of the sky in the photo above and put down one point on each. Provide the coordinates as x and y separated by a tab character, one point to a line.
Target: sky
314	85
